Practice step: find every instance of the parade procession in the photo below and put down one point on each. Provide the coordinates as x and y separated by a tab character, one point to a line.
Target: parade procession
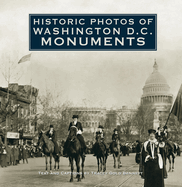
90	93
94	146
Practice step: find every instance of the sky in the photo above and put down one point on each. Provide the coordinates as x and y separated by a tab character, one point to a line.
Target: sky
107	79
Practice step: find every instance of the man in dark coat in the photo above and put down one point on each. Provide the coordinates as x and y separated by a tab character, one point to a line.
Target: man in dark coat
51	134
25	154
79	136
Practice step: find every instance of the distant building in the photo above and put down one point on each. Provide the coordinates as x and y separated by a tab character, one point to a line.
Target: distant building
91	118
156	90
156	93
22	108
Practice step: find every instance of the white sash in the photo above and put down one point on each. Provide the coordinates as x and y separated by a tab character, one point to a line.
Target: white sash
160	160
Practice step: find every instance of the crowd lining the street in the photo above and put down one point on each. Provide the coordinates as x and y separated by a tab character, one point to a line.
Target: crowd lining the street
11	155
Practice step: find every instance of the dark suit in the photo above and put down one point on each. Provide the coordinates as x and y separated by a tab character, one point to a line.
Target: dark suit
78	125
115	136
53	137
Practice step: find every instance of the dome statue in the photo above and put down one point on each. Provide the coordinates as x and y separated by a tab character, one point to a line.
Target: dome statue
156	90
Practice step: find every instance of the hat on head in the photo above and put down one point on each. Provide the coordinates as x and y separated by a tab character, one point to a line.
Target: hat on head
100	126
151	131
115	130
51	126
75	116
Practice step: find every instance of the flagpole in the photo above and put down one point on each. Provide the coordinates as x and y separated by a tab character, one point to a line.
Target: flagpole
171	109
167	119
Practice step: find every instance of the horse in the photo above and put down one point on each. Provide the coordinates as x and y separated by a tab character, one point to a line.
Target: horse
101	154
47	147
169	153
75	152
116	149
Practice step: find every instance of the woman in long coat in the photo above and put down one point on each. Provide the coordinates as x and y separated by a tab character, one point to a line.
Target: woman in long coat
20	152
152	162
25	154
3	156
13	155
16	154
8	149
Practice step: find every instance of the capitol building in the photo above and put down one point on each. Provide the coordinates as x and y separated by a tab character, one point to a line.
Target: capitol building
156	89
156	93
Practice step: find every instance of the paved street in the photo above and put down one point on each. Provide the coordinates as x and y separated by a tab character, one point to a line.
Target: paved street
30	174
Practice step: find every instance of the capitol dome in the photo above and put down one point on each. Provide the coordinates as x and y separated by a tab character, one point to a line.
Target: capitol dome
156	89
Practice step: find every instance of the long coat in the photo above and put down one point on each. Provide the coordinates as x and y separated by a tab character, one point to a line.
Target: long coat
78	125
3	157
20	153
138	153
24	153
153	174
13	154
16	153
8	156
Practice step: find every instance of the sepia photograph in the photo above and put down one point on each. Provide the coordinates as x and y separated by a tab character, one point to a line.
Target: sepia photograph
90	93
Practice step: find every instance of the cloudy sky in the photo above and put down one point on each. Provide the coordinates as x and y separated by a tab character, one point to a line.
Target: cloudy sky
110	79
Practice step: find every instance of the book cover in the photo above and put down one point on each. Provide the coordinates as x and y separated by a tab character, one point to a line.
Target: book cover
113	66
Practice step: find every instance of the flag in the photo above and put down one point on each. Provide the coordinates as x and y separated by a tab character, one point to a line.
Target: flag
177	107
25	58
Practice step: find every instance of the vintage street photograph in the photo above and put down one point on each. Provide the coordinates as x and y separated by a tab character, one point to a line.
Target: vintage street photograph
90	118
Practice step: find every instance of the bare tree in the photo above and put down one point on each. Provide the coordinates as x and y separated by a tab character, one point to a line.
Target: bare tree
51	110
143	120
11	73
126	123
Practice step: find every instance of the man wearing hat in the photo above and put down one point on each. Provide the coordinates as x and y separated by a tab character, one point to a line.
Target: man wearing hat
51	134
154	170
76	123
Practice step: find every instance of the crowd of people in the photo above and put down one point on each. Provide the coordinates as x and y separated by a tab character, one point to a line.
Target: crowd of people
11	155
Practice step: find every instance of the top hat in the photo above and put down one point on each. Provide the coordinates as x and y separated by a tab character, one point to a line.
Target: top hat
100	126
51	126
151	131
115	130
75	116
